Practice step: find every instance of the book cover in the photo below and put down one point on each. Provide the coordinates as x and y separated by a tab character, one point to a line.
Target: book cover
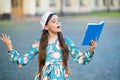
93	32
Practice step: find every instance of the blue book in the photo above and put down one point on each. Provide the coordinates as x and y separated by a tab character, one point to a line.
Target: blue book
93	32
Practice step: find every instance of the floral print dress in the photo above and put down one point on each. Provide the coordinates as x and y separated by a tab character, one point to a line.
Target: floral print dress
53	68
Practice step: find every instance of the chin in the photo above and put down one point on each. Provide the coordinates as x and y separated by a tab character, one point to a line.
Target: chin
59	31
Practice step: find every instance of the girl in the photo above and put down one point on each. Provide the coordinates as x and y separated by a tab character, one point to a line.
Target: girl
53	50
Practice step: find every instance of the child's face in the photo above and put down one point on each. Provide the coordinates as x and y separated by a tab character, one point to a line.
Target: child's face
53	24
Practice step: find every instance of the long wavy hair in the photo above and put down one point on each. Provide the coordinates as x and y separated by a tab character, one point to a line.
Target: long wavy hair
42	50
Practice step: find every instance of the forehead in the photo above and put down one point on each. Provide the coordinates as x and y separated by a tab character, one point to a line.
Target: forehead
54	17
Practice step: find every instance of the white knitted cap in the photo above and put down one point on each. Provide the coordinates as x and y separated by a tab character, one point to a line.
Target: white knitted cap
44	18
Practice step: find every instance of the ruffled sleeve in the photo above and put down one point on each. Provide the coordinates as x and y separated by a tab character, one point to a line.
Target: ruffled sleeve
79	57
19	60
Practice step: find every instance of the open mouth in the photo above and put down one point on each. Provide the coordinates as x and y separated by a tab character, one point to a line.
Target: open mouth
58	26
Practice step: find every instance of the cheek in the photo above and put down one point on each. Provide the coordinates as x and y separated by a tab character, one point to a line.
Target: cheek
52	26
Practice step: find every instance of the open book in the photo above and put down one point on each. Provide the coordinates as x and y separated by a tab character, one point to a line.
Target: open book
93	32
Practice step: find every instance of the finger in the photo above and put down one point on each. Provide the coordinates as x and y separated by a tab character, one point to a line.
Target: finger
1	39
9	37
4	36
92	42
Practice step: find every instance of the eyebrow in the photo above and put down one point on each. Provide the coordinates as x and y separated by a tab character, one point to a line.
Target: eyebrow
54	19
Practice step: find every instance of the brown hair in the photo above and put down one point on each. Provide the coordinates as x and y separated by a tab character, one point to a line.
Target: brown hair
42	49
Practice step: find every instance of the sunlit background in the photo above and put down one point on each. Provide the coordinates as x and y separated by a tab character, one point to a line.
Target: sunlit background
19	8
20	20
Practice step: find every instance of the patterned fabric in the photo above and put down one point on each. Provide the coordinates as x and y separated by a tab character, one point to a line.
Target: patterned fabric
53	68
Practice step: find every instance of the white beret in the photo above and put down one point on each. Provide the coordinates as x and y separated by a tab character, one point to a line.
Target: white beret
44	18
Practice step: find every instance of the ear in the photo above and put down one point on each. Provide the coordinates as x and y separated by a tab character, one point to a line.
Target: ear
46	27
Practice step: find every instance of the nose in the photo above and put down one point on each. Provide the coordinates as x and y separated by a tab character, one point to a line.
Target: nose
58	23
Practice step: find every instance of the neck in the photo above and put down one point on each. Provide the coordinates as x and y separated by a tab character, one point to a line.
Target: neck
52	37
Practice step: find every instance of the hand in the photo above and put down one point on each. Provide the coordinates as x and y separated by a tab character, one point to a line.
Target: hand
6	39
92	46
